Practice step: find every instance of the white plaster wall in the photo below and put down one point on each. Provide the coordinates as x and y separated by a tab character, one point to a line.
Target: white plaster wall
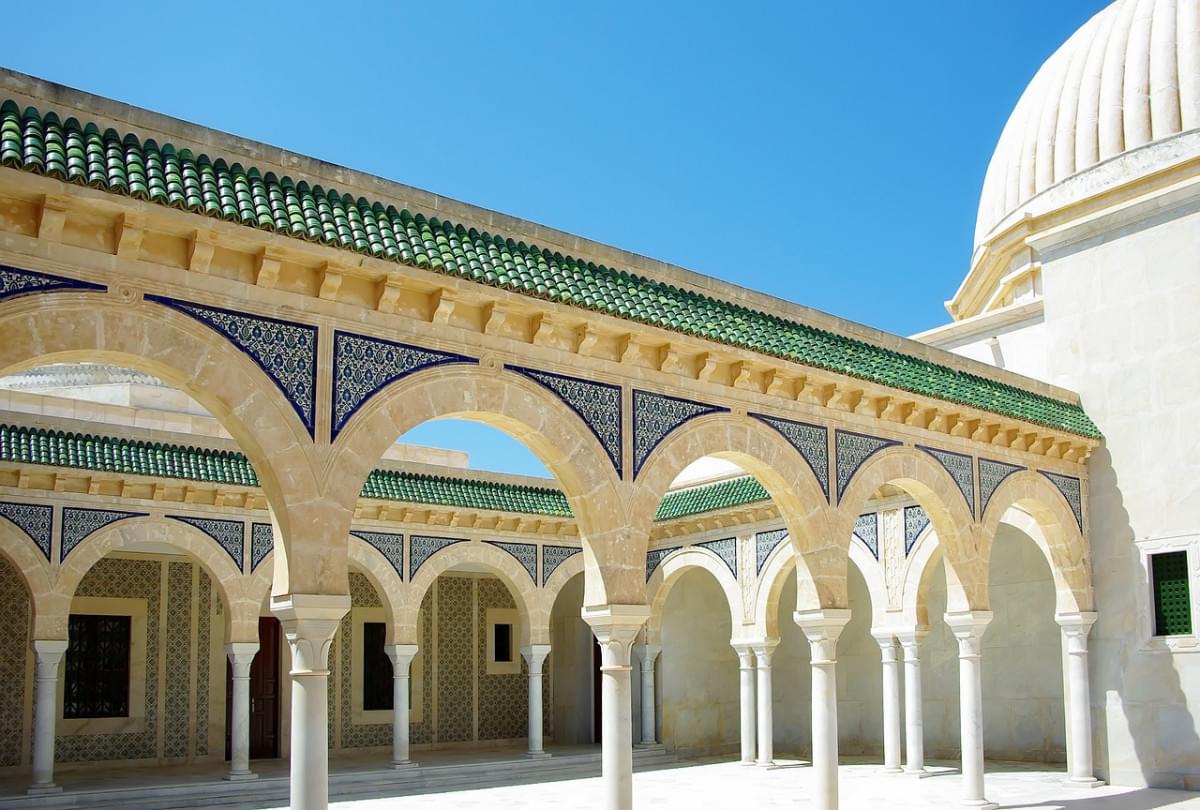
571	667
1023	716
859	677
698	669
792	681
1019	348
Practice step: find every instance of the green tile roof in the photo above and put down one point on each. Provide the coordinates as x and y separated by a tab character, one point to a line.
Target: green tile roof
160	173
710	497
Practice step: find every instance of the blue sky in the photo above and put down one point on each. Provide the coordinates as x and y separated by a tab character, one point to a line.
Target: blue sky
827	153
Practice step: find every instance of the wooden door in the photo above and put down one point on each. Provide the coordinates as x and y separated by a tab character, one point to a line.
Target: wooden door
264	693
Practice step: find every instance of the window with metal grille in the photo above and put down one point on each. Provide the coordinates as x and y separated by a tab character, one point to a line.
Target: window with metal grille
376	669
1172	597
502	643
97	667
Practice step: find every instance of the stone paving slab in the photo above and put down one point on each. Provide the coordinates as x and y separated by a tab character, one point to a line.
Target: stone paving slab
729	785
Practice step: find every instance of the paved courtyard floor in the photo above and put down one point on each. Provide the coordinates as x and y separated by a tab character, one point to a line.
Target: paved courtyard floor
730	786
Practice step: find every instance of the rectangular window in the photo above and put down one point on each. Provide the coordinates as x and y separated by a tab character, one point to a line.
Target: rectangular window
502	644
376	669
96	682
1172	597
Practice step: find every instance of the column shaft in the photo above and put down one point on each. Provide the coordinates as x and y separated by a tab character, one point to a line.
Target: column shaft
241	656
891	704
48	654
766	731
535	657
401	656
746	683
823	627
914	729
968	629
1075	629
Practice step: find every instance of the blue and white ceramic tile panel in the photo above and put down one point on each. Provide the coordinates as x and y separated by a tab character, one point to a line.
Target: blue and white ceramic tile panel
598	405
554	556
655	416
1070	489
262	540
389	544
228	534
36	520
915	521
866	529
422	547
812	441
364	365
286	351
14	281
764	544
204	645
654	559
852	450
726	549
524	553
991	476
178	659
14	653
961	468
78	523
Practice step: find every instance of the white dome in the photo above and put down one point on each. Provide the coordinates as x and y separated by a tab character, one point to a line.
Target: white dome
1130	76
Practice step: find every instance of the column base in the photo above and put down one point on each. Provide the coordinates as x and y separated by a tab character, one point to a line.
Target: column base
980	804
766	766
749	763
43	790
537	755
400	766
1086	784
240	776
894	769
917	773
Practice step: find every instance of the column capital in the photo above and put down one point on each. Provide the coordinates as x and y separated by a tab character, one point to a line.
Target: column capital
647	654
968	627
911	636
49	650
241	656
822	628
535	655
401	656
310	621
615	627
886	640
1079	623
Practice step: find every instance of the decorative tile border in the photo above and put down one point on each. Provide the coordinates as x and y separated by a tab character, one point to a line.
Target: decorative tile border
422	547
363	366
34	519
178	659
14	281
726	549
389	544
852	450
991	476
654	559
285	351
597	404
1071	490
811	441
228	534
553	557
524	553
78	523
961	468
866	529
764	544
915	521
655	416
262	540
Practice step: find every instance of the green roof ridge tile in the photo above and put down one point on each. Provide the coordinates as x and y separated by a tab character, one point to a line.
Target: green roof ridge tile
175	177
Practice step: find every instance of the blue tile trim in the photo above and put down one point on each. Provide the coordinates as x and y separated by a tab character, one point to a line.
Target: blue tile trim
847	470
14	281
642	401
35	520
764	544
803	437
228	534
553	557
961	468
262	540
524	553
371	364
915	521
991	476
389	544
726	549
1071	490
597	404
78	524
654	559
300	386
866	529
421	547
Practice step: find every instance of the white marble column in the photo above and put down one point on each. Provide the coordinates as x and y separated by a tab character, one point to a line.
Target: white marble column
402	656
648	654
615	628
48	654
309	623
914	728
968	627
766	730
1075	629
745	656
535	657
891	700
823	627
241	656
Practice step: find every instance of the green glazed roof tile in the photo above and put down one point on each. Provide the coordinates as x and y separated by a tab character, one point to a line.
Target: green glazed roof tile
711	497
124	164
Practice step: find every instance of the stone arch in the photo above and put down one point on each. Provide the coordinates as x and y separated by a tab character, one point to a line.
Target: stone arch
1027	501
72	327
527	412
668	573
779	565
371	563
922	562
566	571
928	482
34	570
781	470
241	614
534	613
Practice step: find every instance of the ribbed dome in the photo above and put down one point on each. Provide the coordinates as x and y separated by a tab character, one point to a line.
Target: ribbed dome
1129	76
